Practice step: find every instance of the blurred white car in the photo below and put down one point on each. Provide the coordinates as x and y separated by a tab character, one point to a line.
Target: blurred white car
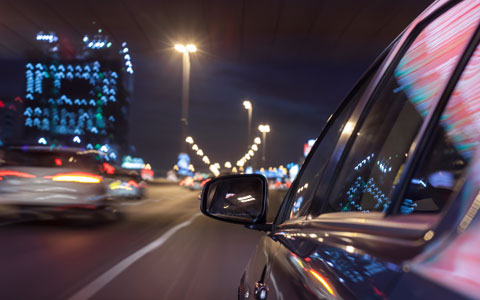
54	181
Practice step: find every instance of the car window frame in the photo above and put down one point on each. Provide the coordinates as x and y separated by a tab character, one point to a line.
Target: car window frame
393	56
283	212
370	96
427	138
407	235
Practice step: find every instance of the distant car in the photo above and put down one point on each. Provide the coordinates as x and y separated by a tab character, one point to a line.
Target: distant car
386	205
126	184
194	183
58	182
147	173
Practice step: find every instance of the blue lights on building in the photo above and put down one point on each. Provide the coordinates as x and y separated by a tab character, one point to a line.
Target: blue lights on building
81	100
59	112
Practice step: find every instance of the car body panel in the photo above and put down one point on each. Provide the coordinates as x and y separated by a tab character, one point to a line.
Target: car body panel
258	268
389	256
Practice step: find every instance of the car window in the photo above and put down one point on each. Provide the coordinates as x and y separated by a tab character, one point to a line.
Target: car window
304	191
456	138
381	142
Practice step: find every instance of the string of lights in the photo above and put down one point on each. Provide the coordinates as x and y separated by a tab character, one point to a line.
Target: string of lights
215	167
250	153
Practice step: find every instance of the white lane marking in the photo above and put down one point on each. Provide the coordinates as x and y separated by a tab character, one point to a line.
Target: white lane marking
135	203
95	286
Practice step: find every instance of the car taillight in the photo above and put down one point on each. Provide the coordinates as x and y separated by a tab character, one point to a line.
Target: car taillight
109	169
76	177
133	183
4	173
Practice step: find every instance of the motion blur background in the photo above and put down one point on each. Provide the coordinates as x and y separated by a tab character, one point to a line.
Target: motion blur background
295	60
91	131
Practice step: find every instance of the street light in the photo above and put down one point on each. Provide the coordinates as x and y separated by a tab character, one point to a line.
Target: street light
206	160
191	48
185	49
228	165
264	129
257	141
248	106
189	140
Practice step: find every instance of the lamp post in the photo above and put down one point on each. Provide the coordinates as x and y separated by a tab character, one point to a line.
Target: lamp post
248	106
186	50
264	129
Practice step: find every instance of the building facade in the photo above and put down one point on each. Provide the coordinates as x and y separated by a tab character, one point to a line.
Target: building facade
78	94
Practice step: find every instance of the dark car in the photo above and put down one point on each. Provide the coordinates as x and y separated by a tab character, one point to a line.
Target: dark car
127	184
386	204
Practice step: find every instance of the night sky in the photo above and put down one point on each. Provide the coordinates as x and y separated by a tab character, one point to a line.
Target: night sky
294	60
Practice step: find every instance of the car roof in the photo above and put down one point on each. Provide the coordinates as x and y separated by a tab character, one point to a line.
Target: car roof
66	150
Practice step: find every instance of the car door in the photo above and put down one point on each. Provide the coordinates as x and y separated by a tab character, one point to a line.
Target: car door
354	240
257	275
255	279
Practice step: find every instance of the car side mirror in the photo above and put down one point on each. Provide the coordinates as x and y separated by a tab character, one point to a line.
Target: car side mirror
236	198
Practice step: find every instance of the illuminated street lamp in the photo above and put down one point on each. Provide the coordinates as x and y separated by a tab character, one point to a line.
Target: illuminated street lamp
248	106
186	50
228	165
257	141
254	147
214	170
206	160
189	140
264	129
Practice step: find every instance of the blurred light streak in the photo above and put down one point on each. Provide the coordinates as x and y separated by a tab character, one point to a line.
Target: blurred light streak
323	281
76	177
4	173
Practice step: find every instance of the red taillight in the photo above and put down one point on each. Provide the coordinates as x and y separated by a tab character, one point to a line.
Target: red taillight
109	169
58	161
132	183
4	173
76	177
147	172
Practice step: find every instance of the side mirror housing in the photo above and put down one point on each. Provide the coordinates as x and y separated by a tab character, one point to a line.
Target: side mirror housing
236	198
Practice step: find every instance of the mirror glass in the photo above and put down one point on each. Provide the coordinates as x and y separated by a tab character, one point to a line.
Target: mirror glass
239	198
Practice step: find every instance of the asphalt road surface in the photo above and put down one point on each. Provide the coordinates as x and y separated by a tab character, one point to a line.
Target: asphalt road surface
162	249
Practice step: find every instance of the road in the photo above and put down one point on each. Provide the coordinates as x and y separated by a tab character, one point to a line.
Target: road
162	249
